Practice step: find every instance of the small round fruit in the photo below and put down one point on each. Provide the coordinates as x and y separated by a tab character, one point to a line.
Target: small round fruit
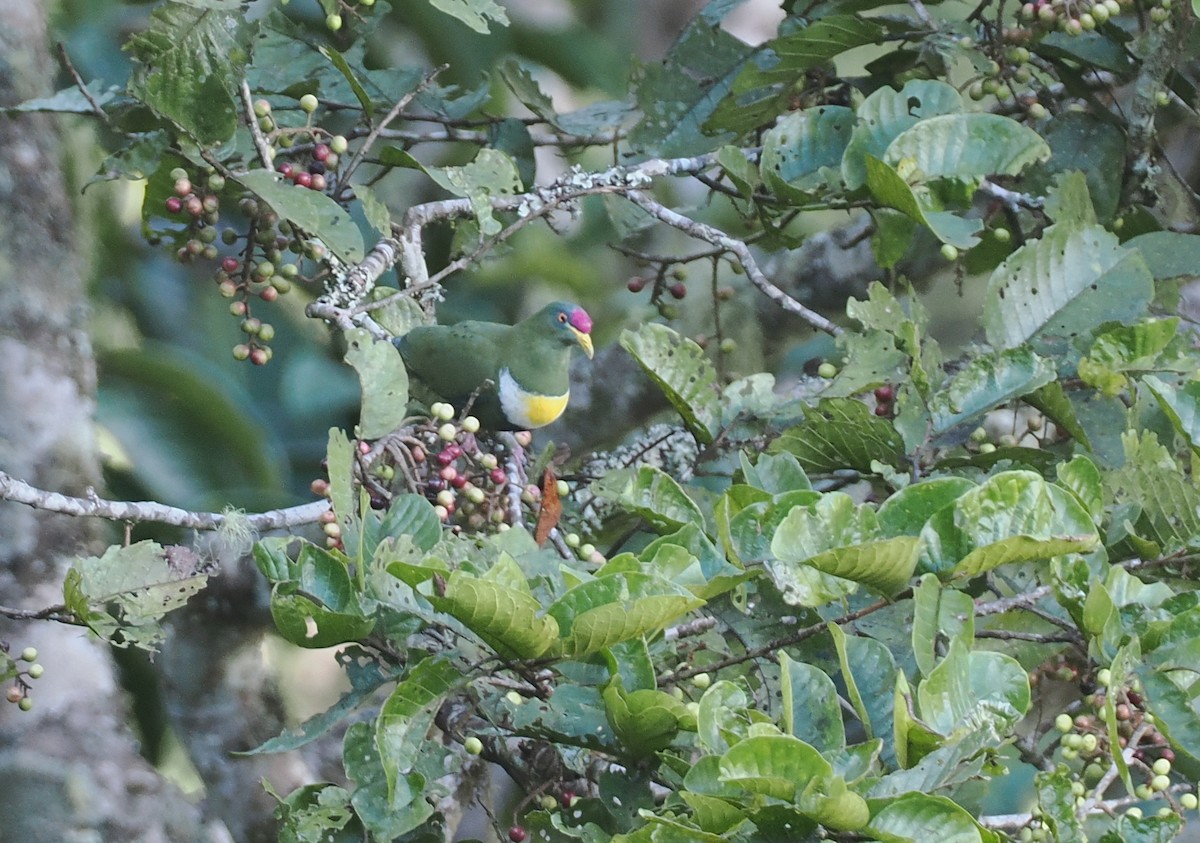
1104	677
1160	783
261	108
338	144
473	745
827	370
728	345
517	834
35	671
1064	723
562	488
949	252
586	550
447	432
174	204
445	498
979	435
635	284
701	680
497	476
987	448
442	513
241	351
470	424
1189	801
1134	813
1037	111
445	412
14	694
514	698
25	704
333	22
1162	98
885	393
1002	234
572	540
29	654
1161	767
548	802
678	290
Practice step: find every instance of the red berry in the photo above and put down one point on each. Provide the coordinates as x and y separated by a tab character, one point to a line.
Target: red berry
453	450
498	476
304	179
677	290
194	206
286	170
258	356
435	484
269	294
516	834
444	457
174	204
183	187
458	481
568	796
448	473
318	182
321	152
635	284
230	264
883	409
885	393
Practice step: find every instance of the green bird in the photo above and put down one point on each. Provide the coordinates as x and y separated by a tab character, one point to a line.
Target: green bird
526	364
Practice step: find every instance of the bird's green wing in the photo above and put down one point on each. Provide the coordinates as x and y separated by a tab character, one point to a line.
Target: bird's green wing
453	360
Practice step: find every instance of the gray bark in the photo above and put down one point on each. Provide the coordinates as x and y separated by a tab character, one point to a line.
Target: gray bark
69	768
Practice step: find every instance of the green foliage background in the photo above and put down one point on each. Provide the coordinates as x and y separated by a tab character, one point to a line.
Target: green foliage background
828	606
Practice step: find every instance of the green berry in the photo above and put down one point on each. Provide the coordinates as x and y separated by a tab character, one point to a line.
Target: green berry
987	448
1189	801
473	745
367	2
35	671
1143	791
1162	99
1161	767
308	102
702	680
445	498
827	370
261	109
586	550
949	252
1002	234
572	539
514	698
1089	743
447	432
29	654
445	412
474	494
1064	723
338	144
25	704
470	424
562	488
266	333
334	22
548	802
1104	677
1160	783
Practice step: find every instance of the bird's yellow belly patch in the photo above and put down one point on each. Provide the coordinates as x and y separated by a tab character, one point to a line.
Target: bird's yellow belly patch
529	409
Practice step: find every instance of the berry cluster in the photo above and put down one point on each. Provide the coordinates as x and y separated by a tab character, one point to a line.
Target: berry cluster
18	692
1074	17
885	398
459	472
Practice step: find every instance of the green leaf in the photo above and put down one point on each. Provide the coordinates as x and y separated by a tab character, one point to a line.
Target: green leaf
378	217
892	191
1065	284
905	513
776	766
339	61
339	461
921	816
678	96
740	170
1081	478
939	615
869	673
406	716
366	676
841	433
387	810
810	705
123	594
774	473
886	114
884	566
1057	802
1020	549
974	690
320	608
653	494
967	146
803	151
491	175
474	13
1090	143
644	721
1166	501
412	516
761	89
70	100
1052	401
384	383
310	210
189	62
526	89
722	722
680	369
1168	254
644	605
986	382
1182	406
509	620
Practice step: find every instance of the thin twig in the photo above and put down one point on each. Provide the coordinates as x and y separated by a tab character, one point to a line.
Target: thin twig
260	140
702	231
383	124
79	83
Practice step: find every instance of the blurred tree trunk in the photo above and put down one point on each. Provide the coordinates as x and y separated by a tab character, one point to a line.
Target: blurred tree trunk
69	769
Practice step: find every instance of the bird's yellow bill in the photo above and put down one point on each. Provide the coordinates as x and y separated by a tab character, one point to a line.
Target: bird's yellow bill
585	341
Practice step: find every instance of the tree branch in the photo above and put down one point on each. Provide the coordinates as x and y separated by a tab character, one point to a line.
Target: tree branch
93	506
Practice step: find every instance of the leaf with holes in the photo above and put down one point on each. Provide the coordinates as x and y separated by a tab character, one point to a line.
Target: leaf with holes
968	146
892	191
686	377
841	433
491	175
886	114
802	154
1067	283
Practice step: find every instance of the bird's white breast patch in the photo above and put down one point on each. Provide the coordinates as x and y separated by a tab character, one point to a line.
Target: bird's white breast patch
529	409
